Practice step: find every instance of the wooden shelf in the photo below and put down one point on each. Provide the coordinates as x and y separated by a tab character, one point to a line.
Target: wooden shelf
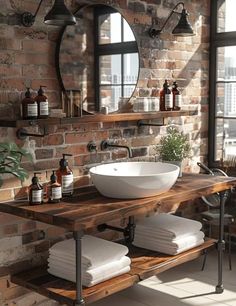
145	263
94	118
87	208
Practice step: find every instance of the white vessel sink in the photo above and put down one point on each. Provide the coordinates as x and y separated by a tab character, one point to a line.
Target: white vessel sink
132	180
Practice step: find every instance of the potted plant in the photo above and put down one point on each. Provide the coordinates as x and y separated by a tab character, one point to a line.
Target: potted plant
174	147
10	161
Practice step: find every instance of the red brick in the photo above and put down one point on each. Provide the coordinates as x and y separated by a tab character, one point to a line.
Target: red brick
10	229
38	46
53	140
78	137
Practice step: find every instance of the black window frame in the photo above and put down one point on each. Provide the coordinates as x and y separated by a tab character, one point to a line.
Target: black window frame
221	39
121	48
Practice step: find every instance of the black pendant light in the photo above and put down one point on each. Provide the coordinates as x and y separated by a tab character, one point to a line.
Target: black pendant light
183	27
59	15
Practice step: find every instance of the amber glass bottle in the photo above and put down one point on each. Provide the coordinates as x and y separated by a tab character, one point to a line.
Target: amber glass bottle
35	191
54	190
65	177
166	98
29	106
42	102
177	98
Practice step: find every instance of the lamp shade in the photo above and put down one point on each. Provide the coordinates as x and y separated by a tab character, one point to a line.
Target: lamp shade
183	27
59	15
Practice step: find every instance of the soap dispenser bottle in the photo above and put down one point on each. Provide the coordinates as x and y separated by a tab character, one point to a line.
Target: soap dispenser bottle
55	193
177	98
29	106
65	177
166	98
35	191
42	102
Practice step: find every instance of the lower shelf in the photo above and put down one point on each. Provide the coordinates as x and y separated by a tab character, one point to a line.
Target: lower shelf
145	264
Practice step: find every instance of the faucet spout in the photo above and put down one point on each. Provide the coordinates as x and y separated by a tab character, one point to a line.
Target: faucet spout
106	144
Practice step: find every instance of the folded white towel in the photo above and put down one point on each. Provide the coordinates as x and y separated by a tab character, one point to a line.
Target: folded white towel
165	249
170	225
95	251
72	276
174	244
160	234
91	274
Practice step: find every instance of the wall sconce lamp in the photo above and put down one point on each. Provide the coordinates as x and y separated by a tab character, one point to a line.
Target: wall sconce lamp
59	15
183	28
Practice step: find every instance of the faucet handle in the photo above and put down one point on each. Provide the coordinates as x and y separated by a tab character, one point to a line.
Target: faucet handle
104	145
92	147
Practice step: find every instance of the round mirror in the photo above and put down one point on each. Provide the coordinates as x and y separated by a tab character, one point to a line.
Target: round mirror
98	59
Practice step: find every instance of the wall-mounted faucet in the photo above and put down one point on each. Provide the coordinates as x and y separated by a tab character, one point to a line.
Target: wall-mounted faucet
105	144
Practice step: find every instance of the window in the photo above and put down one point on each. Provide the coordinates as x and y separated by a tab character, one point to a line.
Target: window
222	109
116	58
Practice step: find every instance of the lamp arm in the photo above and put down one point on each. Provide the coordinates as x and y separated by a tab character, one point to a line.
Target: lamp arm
171	13
35	14
27	19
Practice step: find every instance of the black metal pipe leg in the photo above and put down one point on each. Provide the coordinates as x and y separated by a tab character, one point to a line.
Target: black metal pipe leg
78	253
221	242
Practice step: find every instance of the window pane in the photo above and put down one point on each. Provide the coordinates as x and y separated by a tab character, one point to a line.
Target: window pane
128	91
128	33
109	96
131	65
110	69
226	15
219	136
109	28
226	63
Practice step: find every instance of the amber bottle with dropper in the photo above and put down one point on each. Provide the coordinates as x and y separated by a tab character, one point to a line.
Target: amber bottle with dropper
29	106
55	193
65	177
35	191
42	101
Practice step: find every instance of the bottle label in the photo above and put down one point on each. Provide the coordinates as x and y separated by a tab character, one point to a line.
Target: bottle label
37	196
178	100
32	110
67	183
56	193
43	108
168	100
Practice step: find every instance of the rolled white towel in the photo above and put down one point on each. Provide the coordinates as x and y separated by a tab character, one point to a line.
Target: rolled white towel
86	282
169	225
91	274
95	251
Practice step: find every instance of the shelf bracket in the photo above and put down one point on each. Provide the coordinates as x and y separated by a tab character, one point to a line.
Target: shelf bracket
141	123
22	134
128	231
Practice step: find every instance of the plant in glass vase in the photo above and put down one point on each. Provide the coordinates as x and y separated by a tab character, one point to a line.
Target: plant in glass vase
10	161
174	147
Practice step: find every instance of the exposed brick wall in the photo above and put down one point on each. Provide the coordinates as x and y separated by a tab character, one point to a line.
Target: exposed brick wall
27	59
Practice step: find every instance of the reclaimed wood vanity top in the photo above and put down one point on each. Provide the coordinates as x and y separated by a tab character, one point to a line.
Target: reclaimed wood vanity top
87	208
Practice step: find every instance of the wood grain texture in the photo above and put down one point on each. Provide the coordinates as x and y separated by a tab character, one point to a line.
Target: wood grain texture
95	118
145	263
88	208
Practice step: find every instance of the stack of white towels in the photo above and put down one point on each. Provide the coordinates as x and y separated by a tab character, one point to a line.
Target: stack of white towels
101	260
168	234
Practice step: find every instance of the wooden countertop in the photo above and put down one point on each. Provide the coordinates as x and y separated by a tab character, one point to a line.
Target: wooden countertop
87	208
